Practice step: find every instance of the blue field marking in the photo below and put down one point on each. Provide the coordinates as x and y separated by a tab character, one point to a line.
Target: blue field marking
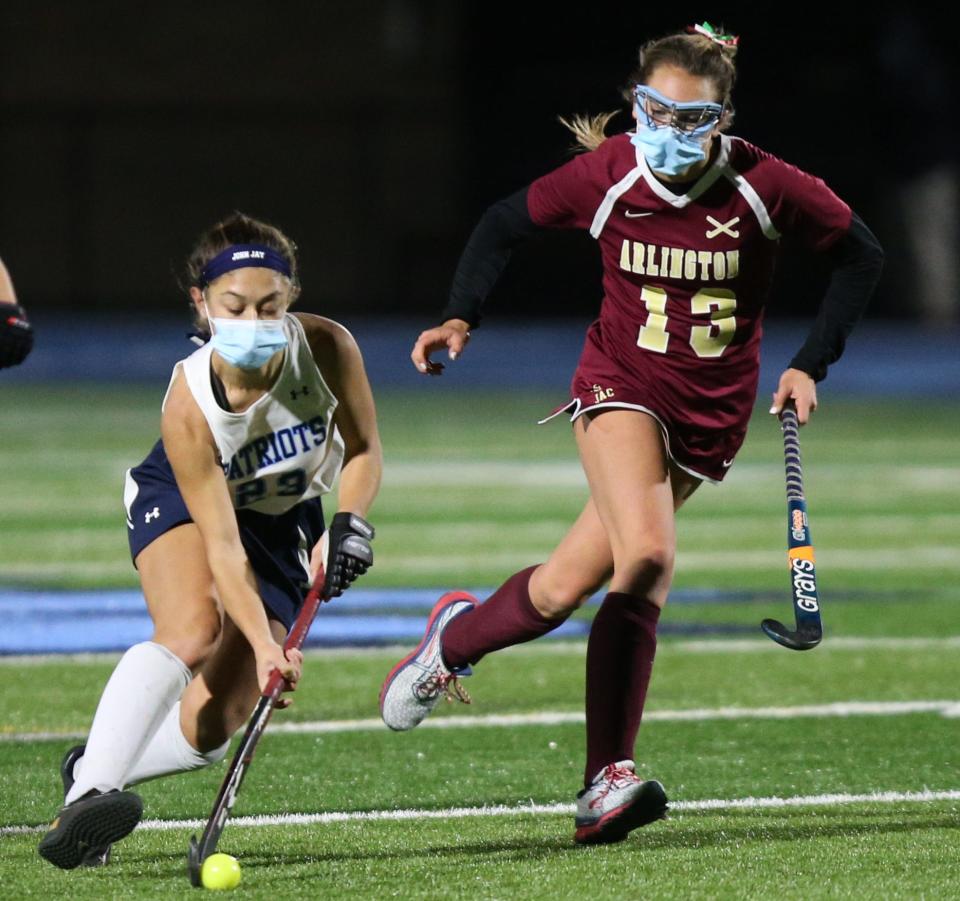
54	622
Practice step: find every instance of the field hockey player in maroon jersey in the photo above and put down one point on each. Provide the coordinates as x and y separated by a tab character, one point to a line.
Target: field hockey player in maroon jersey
688	220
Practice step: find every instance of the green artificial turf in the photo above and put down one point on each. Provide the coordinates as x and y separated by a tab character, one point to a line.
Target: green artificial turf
472	491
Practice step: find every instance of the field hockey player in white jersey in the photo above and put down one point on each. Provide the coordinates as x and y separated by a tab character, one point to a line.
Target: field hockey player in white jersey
226	529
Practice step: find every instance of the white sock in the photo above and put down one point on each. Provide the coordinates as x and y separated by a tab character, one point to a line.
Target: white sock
170	752
146	683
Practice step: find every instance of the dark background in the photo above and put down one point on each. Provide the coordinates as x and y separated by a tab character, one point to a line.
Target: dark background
375	133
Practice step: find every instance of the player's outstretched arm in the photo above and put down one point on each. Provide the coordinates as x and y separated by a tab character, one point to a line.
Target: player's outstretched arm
193	457
345	550
501	228
452	336
856	261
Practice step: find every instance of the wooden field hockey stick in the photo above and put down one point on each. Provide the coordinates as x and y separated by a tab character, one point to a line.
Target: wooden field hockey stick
200	851
800	558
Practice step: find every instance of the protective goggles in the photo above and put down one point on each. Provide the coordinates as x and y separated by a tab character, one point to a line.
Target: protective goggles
690	118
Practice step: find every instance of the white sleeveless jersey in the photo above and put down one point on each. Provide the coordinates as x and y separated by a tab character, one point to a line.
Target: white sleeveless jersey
282	449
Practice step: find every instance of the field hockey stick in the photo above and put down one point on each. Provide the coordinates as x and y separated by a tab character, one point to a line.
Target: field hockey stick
200	851
803	577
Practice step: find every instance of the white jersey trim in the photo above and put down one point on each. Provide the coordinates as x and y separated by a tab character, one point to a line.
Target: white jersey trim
720	167
716	169
279	419
178	367
613	195
753	200
576	405
130	491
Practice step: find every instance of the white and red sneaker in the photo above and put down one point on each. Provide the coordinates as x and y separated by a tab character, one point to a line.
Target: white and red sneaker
616	803
415	685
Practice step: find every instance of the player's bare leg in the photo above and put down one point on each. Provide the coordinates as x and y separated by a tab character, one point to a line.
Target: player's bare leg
460	632
178	588
137	701
578	566
529	604
223	694
180	594
635	491
583	560
216	703
197	730
576	569
632	486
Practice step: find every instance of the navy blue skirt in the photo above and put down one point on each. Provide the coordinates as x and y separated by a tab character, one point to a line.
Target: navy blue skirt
155	506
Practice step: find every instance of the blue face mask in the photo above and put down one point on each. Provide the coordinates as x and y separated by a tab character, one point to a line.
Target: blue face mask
245	343
667	150
672	134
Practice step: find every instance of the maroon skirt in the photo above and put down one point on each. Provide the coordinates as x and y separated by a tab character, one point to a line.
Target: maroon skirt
703	408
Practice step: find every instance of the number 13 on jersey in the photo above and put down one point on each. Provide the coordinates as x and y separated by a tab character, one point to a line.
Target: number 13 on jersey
706	340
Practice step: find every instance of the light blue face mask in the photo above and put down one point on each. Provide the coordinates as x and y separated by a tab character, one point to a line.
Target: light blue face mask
668	151
672	135
245	343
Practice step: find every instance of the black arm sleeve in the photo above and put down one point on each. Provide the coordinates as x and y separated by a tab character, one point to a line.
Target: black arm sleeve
500	229
856	262
16	334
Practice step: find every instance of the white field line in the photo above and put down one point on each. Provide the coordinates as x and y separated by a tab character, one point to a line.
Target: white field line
927	556
841	709
552	648
922	557
560	718
307	819
568	473
557	472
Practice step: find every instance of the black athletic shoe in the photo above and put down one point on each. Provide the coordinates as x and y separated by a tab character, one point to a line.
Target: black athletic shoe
94	857
92	822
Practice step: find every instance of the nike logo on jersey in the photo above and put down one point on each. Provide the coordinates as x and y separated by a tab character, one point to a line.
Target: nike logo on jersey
722	228
630	215
727	464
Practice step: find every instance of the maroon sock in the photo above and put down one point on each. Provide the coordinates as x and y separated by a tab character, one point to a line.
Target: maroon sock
623	641
507	617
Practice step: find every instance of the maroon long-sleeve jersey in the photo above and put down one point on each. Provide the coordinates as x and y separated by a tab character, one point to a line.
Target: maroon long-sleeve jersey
685	278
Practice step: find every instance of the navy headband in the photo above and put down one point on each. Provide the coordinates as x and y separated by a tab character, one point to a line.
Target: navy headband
238	256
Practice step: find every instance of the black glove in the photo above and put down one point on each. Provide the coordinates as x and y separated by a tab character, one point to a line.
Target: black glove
16	335
348	552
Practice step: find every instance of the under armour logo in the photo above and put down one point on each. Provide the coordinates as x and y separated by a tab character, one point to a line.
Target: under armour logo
294	394
725	228
153	514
